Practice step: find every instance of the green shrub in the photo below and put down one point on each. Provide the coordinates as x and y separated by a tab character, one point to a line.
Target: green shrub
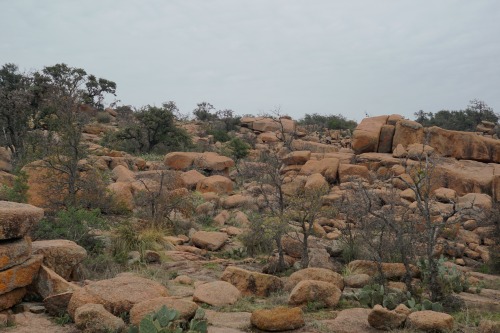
220	135
449	279
239	148
19	191
103	117
257	239
74	224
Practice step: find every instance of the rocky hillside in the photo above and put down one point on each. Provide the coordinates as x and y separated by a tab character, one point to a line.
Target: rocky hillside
298	235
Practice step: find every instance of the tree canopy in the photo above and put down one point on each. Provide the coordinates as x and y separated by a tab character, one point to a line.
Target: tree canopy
459	120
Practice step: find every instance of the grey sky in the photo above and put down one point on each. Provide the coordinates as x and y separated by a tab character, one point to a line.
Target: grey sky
324	56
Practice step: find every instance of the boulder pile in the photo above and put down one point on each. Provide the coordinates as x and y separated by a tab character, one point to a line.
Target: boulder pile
18	265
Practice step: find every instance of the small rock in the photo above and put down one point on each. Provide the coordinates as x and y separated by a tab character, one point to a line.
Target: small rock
151	256
133	257
37	309
183	279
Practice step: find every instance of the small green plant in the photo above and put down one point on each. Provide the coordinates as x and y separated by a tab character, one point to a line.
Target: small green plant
211	265
63	319
449	279
425	305
370	295
167	321
74	224
313	306
236	254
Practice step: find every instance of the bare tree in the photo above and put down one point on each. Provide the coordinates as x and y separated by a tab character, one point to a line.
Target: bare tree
302	211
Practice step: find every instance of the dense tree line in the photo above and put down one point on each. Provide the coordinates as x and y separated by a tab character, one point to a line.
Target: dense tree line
459	120
319	122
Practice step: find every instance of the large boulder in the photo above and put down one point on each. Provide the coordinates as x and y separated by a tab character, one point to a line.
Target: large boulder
117	295
93	318
209	240
20	275
218	184
180	160
44	184
463	145
14	252
367	134
324	293
430	321
316	182
213	162
262	124
317	274
407	132
252	283
17	219
348	172
278	319
328	167
61	255
217	293
185	308
122	192
463	176
191	178
122	174
297	157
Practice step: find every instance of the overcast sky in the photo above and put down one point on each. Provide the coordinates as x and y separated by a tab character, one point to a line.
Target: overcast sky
252	56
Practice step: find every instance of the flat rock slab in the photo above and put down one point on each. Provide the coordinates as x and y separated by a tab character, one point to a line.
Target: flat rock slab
217	293
118	294
475	301
20	275
214	329
14	252
234	320
16	219
27	322
350	321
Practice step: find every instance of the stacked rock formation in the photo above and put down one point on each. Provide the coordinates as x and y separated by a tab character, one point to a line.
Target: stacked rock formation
18	266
